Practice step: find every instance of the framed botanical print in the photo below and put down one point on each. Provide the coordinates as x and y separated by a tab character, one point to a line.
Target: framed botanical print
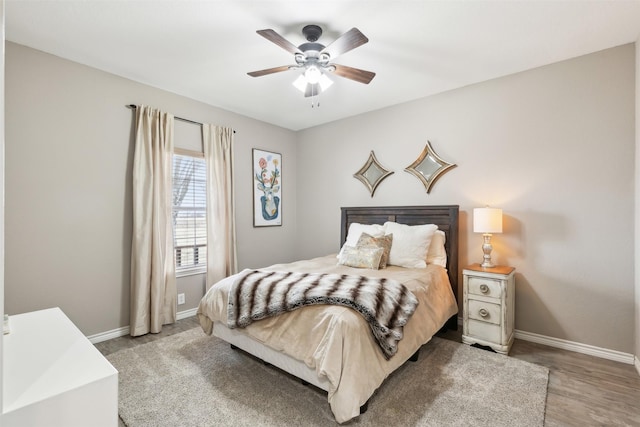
267	188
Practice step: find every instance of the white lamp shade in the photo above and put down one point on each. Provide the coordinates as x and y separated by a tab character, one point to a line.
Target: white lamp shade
324	82
312	74
487	220
300	83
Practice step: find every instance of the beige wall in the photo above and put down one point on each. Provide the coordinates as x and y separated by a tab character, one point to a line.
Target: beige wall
553	147
68	208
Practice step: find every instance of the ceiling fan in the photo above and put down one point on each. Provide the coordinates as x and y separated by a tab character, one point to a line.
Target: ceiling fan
314	59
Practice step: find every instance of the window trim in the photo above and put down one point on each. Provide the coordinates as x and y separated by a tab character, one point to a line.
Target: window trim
190	153
191	271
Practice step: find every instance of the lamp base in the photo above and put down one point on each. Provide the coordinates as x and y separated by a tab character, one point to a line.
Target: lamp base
487	248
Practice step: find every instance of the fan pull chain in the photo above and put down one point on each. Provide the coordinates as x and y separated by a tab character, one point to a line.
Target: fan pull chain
316	96
312	95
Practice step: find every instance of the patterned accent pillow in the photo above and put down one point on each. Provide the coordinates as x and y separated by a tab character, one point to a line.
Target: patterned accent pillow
356	229
361	257
384	242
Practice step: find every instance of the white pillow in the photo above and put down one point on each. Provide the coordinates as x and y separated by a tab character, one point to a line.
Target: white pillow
437	254
356	229
410	244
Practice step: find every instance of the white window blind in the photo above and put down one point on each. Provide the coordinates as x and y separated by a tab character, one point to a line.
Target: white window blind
189	214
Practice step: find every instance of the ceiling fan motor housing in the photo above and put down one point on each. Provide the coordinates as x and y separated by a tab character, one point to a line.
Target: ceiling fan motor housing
312	49
312	32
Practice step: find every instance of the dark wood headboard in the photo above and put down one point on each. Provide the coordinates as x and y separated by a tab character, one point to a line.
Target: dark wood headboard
444	216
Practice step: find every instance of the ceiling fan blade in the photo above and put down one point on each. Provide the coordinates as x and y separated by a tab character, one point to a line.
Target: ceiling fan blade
346	42
276	38
269	71
356	74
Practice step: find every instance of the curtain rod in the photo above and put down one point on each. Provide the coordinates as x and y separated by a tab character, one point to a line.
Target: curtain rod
133	106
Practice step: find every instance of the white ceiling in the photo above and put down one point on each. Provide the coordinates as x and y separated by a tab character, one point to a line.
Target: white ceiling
204	49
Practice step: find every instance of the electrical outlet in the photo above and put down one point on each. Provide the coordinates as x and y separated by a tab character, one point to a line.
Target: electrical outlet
180	299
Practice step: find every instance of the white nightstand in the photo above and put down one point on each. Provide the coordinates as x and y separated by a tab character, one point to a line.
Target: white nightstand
488	306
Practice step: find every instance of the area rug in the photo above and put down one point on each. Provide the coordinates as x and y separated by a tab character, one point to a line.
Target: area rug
191	379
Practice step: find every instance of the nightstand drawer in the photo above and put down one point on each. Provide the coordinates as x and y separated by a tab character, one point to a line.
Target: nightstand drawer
484	331
484	311
485	287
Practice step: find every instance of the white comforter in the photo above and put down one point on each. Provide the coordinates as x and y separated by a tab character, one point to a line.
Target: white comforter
336	341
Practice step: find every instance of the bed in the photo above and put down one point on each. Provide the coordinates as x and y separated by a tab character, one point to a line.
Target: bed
332	347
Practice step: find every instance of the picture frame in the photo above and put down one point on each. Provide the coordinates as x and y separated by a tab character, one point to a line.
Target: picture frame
267	188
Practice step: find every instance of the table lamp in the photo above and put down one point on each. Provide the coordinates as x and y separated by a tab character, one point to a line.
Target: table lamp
486	221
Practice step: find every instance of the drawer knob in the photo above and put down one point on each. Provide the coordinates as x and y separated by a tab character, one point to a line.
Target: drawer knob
483	312
484	288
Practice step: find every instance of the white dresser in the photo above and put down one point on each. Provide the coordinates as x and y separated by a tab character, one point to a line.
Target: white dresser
489	306
53	376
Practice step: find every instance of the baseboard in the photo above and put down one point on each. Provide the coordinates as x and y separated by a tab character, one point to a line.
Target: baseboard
591	350
120	332
187	313
109	335
604	353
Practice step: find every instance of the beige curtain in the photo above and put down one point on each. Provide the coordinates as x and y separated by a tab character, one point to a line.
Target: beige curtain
153	281
221	228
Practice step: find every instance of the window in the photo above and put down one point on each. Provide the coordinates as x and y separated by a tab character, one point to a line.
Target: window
189	214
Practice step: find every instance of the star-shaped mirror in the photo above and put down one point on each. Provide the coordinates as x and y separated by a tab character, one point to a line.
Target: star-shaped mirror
372	173
429	167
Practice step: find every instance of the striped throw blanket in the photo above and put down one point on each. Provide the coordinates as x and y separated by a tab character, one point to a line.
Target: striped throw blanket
385	304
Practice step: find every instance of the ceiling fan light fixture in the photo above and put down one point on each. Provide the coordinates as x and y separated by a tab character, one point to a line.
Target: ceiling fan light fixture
300	83
313	75
325	82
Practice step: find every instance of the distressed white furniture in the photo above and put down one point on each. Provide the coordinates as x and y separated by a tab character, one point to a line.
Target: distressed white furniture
53	375
488	306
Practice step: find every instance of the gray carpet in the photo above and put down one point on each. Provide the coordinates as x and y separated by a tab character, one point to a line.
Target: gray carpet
190	379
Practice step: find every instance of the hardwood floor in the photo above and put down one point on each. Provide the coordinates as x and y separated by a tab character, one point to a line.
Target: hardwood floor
583	390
